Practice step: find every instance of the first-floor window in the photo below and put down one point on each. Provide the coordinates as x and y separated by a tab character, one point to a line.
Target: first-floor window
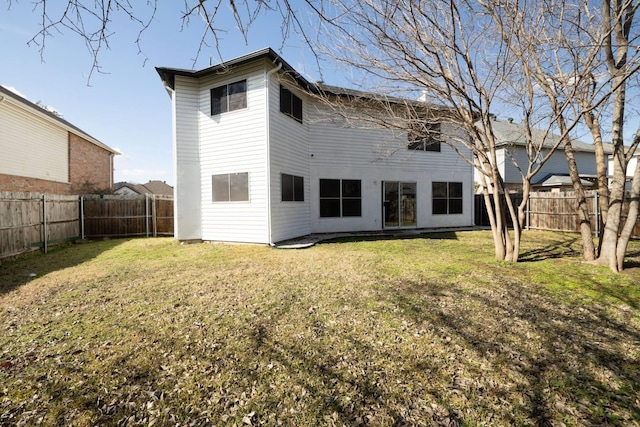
292	188
447	198
230	187
340	197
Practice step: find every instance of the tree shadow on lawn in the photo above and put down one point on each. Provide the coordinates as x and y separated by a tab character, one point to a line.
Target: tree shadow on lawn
392	235
18	271
507	356
563	362
563	246
426	355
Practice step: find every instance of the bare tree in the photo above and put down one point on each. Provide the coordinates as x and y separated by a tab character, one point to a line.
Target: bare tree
402	49
468	58
92	21
581	58
453	54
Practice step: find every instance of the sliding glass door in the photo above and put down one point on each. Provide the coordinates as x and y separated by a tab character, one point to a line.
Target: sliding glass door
399	204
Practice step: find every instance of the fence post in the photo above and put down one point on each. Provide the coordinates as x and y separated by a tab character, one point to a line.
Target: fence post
596	210
146	214
154	216
44	223
82	217
528	225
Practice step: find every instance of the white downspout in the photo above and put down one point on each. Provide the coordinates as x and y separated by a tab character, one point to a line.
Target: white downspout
267	116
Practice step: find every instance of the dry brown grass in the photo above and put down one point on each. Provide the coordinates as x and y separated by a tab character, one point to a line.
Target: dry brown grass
427	331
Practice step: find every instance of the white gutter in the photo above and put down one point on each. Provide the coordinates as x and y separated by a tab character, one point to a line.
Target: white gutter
268	112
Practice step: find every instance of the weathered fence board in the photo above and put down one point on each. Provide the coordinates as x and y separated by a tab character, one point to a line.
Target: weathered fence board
122	216
556	211
29	221
32	220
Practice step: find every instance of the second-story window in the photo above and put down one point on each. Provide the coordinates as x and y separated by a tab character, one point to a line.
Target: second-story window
290	104
229	97
427	138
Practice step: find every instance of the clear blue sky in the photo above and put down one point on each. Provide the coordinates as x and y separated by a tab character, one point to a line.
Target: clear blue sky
127	108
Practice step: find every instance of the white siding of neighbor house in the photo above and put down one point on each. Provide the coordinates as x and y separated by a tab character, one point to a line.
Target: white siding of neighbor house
556	165
375	156
631	168
32	146
186	154
235	142
289	154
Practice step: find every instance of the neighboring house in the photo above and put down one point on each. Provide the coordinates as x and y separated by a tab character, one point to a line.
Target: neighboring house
42	152
259	159
151	187
631	168
554	175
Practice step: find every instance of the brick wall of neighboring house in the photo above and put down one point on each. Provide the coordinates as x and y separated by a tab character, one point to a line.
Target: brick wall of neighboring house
90	166
35	185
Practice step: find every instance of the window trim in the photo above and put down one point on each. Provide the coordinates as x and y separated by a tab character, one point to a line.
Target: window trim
229	183
341	197
448	198
227	97
296	196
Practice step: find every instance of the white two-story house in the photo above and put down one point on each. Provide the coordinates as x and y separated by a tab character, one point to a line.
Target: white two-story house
260	158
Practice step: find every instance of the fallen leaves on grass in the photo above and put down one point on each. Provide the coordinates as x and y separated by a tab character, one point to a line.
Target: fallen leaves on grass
149	332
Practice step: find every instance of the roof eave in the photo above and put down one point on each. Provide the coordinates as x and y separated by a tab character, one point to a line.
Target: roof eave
167	74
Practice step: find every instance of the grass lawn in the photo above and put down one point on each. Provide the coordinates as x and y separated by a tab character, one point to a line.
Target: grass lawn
423	331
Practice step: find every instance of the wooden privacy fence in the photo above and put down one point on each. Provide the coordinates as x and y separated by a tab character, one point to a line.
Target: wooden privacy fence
555	211
126	216
29	221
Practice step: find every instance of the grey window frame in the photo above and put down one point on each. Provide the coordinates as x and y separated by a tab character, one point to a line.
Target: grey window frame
453	198
346	199
223	99
291	104
297	188
234	182
432	141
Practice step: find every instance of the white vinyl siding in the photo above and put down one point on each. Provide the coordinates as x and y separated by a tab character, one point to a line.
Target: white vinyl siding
289	154
265	143
556	165
187	159
375	156
235	142
32	146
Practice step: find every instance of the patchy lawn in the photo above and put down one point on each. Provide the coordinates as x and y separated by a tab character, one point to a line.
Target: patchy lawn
426	331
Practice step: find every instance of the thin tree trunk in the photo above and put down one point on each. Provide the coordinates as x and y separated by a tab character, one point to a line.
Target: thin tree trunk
589	252
609	247
601	174
513	248
632	217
